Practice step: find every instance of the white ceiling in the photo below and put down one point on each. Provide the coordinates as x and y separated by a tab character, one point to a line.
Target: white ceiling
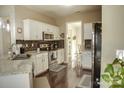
75	24
61	10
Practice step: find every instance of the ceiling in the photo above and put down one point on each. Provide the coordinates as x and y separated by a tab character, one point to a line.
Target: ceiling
75	24
61	10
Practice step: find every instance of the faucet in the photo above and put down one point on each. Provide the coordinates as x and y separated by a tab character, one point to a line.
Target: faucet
12	51
12	47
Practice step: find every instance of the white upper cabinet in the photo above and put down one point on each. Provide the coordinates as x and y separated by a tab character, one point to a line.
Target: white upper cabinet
44	27
33	30
56	32
49	28
88	29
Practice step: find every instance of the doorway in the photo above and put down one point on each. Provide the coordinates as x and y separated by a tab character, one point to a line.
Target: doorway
89	58
74	42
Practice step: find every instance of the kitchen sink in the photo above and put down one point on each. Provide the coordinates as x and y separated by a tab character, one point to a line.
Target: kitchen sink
21	57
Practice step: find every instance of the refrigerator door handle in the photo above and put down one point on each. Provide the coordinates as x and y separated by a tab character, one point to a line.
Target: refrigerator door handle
97	81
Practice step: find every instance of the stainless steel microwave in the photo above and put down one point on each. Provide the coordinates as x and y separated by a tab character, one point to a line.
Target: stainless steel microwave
48	36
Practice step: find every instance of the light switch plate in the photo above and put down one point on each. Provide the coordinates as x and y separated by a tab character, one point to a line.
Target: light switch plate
120	54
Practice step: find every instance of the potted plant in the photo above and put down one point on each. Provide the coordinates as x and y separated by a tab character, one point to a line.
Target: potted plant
114	74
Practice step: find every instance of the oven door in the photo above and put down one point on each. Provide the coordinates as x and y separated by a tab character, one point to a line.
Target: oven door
52	57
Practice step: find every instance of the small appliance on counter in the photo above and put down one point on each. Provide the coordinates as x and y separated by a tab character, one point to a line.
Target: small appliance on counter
22	50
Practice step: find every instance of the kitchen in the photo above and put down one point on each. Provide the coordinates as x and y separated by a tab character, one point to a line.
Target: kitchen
40	40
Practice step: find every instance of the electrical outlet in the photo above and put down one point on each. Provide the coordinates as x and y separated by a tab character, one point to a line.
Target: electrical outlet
120	54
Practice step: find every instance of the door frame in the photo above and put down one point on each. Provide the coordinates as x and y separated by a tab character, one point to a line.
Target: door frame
66	37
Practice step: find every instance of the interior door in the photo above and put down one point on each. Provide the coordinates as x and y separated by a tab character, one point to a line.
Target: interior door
97	56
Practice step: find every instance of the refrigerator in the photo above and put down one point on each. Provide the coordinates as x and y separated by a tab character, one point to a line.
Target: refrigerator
96	56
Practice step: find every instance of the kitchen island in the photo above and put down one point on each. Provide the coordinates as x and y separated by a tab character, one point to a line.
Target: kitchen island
19	73
16	73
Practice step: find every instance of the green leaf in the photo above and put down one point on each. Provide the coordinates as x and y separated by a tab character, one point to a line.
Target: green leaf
117	78
116	61
116	86
109	69
122	71
106	78
122	81
122	86
122	64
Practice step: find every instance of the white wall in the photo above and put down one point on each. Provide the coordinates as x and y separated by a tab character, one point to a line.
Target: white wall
112	33
1	43
9	11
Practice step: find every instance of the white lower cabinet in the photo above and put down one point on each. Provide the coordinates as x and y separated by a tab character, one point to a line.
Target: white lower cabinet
40	63
18	80
60	56
87	60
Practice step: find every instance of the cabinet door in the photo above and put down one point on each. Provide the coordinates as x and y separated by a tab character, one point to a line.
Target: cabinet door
45	61
26	29
87	60
42	60
39	65
62	55
32	30
44	27
33	58
56	32
48	28
38	31
59	56
39	59
88	29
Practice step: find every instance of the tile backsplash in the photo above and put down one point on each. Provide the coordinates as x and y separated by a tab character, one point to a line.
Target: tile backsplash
31	45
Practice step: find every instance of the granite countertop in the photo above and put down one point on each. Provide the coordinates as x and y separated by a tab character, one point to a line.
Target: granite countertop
8	66
35	52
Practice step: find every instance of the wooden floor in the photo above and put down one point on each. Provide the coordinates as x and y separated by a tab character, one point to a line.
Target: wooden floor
67	78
